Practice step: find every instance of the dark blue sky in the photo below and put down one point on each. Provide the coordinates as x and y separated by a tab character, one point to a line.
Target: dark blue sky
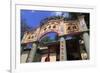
33	17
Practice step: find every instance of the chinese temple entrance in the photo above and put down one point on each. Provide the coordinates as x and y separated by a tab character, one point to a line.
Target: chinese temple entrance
57	39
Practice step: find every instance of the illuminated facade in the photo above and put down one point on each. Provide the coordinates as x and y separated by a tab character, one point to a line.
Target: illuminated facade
72	43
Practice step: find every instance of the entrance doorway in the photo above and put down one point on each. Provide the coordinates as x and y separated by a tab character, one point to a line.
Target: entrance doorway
73	49
52	52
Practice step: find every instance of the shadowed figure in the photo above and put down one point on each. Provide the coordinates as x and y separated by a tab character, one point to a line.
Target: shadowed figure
47	59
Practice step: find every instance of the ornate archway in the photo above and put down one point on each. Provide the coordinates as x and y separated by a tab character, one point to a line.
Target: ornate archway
59	26
62	28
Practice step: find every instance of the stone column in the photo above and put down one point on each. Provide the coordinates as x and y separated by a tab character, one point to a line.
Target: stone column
86	42
86	38
32	53
63	54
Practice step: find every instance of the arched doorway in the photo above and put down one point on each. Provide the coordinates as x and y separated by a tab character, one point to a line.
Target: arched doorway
49	46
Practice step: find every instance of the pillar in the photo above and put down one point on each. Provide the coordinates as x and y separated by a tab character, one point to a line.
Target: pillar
32	53
85	35
86	42
63	54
